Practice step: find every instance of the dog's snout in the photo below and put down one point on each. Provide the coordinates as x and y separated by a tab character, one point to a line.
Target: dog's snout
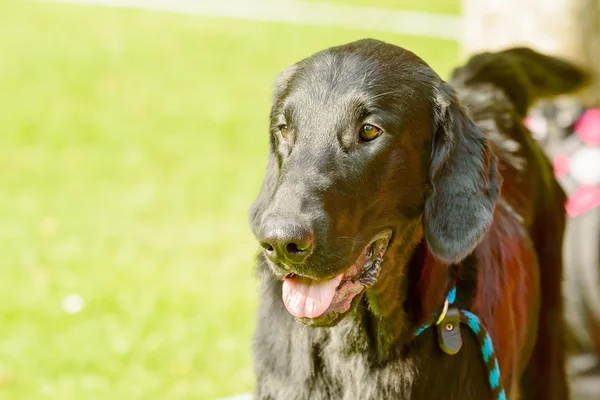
286	241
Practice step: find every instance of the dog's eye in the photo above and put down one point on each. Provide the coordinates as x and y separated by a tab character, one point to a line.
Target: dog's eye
369	132
283	129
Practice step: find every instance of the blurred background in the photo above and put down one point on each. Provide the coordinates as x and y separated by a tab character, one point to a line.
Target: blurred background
133	138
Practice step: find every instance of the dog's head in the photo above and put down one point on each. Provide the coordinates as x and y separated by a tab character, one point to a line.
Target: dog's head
367	143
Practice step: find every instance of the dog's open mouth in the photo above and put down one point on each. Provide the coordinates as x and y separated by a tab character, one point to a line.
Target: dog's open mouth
308	299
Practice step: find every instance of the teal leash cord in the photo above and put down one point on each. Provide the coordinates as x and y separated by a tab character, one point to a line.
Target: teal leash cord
451	342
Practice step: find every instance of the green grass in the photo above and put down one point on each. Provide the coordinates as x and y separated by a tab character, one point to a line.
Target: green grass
131	145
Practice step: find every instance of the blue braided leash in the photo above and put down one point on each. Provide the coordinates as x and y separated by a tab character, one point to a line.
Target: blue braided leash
485	342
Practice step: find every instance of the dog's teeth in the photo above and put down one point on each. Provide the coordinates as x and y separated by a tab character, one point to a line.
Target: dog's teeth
371	273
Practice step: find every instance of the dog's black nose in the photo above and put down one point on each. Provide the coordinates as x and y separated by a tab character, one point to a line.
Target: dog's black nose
286	241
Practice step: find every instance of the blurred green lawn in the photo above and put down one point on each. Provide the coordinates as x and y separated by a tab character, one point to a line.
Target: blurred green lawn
132	143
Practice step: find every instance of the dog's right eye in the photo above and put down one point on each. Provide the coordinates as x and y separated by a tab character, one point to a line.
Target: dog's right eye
283	130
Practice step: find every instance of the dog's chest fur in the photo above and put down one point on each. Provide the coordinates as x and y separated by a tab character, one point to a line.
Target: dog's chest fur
296	362
330	364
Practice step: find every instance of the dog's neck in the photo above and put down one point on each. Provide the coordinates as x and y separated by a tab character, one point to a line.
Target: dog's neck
412	286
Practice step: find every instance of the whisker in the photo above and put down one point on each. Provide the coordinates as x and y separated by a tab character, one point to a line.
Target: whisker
344	237
356	240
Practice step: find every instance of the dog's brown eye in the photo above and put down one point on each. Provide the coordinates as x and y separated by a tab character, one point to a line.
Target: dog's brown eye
283	129
369	132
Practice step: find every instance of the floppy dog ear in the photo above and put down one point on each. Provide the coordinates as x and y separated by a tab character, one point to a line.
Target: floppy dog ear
269	183
465	182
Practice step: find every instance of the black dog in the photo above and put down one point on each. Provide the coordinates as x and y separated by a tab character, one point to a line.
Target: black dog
381	193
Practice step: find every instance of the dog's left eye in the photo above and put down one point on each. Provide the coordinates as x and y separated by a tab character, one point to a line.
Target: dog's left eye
369	132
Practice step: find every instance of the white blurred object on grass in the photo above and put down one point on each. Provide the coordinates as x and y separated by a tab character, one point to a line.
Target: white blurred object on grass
73	303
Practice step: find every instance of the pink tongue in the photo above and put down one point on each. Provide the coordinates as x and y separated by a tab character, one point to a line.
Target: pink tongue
307	298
